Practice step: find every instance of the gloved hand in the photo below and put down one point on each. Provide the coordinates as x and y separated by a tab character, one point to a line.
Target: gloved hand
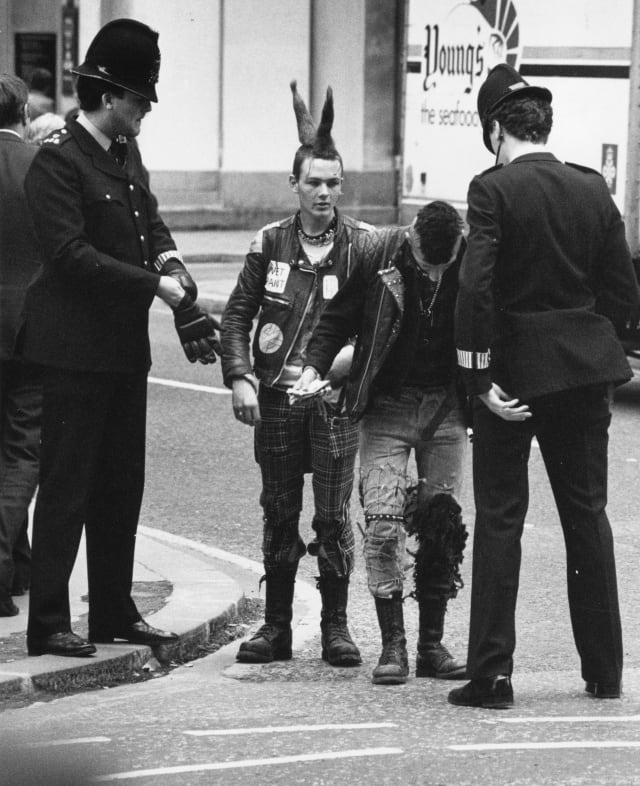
173	268
196	331
186	282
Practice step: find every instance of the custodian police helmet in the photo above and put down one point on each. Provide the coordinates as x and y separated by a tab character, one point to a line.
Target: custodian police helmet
124	53
503	83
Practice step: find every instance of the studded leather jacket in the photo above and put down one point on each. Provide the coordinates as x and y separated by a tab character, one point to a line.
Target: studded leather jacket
372	305
279	284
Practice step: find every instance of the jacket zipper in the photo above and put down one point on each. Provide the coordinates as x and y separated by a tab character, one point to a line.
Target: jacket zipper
373	344
299	328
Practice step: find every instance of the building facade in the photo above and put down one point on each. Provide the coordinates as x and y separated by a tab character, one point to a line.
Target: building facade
220	142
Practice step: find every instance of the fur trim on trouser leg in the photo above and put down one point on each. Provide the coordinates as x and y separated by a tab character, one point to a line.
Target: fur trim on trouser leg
441	536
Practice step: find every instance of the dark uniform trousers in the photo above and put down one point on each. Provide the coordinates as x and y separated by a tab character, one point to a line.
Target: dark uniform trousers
572	430
91	475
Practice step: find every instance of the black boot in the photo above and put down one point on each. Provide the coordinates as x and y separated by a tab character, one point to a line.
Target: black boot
393	666
434	659
338	648
273	640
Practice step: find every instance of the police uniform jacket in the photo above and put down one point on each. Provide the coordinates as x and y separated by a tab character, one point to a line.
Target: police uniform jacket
278	282
372	305
547	269
19	249
103	244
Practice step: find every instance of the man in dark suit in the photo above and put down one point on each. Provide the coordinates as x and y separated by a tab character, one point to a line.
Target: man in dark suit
107	254
20	385
547	269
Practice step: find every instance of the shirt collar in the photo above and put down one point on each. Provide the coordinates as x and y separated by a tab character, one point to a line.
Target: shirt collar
9	131
101	138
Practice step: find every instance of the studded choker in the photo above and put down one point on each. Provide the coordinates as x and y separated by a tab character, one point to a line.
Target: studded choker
317	240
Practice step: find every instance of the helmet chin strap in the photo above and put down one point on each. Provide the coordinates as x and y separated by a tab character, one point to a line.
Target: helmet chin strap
497	128
498	151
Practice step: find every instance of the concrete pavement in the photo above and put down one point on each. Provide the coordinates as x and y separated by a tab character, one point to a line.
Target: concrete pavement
193	590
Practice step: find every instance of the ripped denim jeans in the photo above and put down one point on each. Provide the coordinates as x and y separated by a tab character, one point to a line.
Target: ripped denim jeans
389	431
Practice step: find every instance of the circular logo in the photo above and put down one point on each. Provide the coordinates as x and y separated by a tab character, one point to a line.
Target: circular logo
270	338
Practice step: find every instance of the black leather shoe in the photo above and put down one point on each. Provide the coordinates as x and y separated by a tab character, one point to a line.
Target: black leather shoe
66	643
604	690
492	693
8	608
19	589
138	633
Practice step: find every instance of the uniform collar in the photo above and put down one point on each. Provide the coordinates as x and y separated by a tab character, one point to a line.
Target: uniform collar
543	155
101	138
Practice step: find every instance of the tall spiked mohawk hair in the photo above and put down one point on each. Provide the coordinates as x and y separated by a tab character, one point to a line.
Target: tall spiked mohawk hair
317	139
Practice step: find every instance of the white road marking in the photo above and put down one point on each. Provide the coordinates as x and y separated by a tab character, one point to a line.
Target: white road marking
571	719
229	765
515	746
172	383
278	729
71	741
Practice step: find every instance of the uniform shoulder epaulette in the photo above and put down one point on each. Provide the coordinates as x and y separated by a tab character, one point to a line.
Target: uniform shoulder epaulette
491	169
57	137
589	170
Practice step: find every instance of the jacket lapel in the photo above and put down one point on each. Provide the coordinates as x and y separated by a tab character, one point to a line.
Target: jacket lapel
101	158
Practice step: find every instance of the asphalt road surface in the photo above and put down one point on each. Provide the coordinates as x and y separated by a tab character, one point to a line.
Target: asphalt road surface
302	721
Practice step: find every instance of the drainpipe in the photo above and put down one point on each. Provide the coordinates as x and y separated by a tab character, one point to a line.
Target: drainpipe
632	191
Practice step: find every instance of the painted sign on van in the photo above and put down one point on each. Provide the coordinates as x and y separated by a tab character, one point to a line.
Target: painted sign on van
453	44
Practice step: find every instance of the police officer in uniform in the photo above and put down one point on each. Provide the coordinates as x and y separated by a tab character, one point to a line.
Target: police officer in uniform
107	254
547	269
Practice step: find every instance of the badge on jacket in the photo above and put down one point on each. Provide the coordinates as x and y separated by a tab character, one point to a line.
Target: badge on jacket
329	287
277	275
270	338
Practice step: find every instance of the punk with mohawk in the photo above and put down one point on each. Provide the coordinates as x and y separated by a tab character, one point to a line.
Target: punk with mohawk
292	271
315	142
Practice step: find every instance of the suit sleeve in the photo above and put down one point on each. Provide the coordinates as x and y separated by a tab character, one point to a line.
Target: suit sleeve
54	190
474	317
165	255
616	285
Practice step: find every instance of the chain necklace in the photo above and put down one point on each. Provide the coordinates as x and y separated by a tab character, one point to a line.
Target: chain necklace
323	239
428	311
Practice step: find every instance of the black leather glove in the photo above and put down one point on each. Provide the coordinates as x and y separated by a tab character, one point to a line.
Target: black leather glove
196	331
175	269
